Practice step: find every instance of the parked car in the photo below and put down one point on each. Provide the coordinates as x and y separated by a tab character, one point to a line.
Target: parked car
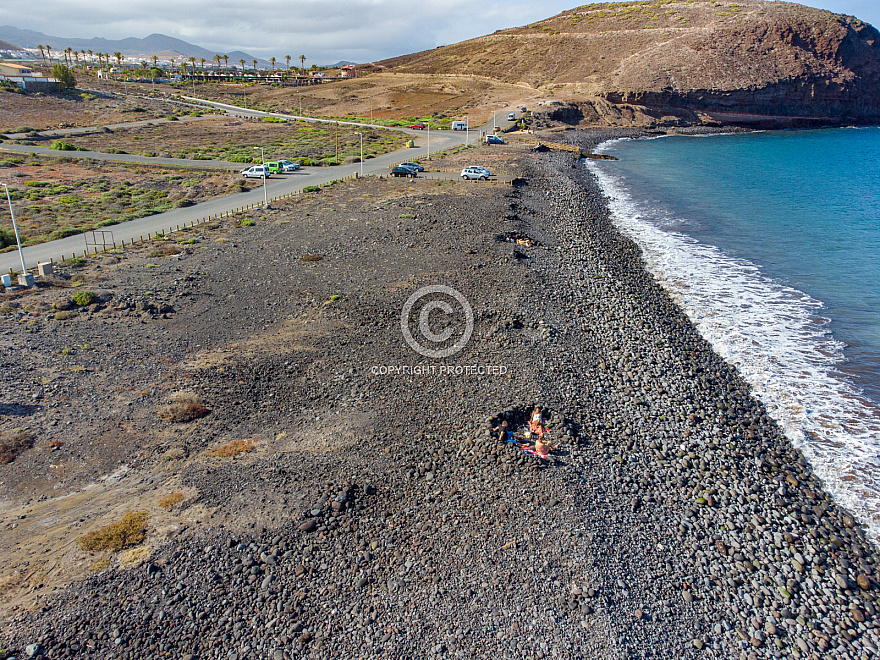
274	167
475	172
494	139
255	172
419	127
289	166
511	116
399	170
413	166
522	110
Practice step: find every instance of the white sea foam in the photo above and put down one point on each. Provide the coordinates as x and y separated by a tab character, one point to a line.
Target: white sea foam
780	342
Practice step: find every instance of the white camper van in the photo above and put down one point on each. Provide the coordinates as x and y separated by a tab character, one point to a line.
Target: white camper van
459	126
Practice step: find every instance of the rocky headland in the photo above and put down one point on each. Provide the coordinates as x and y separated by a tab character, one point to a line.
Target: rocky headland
678	62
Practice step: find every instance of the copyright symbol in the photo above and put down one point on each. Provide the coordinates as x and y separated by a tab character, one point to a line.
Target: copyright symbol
439	313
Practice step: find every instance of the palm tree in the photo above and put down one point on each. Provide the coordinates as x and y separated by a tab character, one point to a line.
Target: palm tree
155	61
42	54
302	62
202	62
226	62
242	66
255	66
90	54
217	59
48	52
83	53
272	60
192	61
118	57
287	57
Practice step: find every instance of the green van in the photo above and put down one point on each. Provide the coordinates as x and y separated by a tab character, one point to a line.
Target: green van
275	167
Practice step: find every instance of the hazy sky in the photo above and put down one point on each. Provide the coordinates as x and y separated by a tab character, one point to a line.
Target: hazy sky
324	31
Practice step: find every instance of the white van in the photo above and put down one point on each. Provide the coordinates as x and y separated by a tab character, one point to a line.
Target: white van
257	171
511	116
459	126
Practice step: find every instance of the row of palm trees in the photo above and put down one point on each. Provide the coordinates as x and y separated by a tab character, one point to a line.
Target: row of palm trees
71	55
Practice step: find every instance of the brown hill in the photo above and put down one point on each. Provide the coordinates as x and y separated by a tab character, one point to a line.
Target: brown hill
5	45
749	56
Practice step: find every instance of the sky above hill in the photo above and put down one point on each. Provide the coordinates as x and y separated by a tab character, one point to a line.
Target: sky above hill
325	31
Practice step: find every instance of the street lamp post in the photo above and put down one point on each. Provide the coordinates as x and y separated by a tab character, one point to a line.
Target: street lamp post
429	141
467	130
494	127
362	153
15	229
265	176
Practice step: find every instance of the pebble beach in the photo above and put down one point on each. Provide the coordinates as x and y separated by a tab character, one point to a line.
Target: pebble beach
377	515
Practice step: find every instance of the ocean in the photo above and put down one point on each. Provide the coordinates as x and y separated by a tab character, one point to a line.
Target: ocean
771	243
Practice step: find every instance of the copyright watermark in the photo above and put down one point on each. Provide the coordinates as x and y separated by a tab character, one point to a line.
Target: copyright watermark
437	321
439	370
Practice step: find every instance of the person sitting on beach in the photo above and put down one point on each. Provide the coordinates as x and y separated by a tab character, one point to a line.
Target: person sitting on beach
503	434
542	447
536	421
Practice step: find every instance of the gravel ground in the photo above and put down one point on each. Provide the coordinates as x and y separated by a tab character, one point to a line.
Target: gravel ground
376	517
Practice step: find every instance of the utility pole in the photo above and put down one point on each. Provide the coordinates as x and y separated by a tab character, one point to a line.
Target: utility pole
24	272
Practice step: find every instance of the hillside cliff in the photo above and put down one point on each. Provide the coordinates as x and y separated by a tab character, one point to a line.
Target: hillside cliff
747	57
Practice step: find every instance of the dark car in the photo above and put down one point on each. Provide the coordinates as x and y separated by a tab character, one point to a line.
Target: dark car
494	139
399	170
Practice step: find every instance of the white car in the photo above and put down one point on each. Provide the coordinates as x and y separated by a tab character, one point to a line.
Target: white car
475	172
289	166
256	172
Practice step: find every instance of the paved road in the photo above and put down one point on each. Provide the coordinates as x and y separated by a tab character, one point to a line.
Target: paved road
125	158
276	186
81	130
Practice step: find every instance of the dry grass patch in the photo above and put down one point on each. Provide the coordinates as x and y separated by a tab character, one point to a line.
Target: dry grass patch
170	500
129	531
232	449
133	556
184	408
165	250
14	443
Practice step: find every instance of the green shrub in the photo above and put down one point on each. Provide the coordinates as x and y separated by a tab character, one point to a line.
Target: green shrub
36	184
61	145
83	298
248	222
64	76
309	189
7	238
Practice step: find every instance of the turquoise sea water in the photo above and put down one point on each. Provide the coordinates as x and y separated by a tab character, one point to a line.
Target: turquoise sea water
771	242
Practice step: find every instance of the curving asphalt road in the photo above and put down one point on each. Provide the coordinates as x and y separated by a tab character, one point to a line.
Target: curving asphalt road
276	185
